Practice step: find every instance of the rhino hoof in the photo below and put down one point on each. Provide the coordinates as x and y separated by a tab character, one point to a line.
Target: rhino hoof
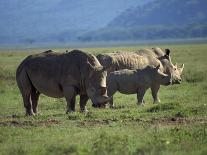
84	111
70	111
141	104
112	106
156	102
30	114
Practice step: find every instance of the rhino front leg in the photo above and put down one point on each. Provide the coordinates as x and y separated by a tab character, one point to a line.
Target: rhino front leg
83	101
70	95
140	96
155	90
111	102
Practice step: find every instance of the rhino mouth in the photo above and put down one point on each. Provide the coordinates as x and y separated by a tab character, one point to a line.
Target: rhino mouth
101	103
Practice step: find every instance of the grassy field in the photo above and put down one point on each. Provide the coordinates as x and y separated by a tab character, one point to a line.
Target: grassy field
176	126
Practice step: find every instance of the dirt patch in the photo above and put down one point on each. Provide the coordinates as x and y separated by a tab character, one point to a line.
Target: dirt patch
169	121
48	122
96	122
16	123
179	120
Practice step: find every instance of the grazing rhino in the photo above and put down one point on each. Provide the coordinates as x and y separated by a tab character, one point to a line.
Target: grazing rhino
141	59
61	75
137	81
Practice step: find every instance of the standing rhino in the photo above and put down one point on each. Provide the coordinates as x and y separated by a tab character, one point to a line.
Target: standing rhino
61	75
140	59
136	81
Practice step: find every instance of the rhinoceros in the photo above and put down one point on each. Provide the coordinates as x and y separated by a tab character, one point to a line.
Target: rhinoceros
137	82
61	75
140	59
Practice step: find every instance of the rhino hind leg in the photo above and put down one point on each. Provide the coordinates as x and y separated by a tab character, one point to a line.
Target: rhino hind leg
28	104
25	88
140	96
35	97
111	103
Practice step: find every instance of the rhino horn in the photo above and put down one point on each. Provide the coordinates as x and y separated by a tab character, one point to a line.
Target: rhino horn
106	99
93	67
176	65
90	65
181	69
158	66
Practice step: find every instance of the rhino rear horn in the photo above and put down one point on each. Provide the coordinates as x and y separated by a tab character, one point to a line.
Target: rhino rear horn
158	66
90	65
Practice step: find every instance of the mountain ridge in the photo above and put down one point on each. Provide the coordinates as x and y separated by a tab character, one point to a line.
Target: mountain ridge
23	20
159	19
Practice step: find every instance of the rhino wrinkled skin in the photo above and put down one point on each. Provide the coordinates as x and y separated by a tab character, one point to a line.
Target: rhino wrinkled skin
137	82
140	59
61	75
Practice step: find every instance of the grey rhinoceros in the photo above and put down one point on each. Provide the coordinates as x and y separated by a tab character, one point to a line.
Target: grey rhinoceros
136	82
61	75
141	59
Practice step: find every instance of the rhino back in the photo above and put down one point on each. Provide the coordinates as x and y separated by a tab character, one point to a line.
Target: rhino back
125	81
50	71
128	60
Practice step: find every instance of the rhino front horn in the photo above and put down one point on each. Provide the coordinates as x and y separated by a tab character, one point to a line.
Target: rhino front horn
181	69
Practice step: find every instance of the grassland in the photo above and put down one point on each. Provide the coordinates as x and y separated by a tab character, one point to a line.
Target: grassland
177	126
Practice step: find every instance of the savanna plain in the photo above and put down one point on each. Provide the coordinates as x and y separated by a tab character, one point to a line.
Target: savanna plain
176	126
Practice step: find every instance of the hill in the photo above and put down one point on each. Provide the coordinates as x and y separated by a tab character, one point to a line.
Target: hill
56	20
157	20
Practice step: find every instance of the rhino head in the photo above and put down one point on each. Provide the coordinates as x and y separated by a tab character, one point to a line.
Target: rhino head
160	77
170	69
96	84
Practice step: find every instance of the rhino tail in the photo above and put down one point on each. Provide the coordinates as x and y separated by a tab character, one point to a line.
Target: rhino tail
23	81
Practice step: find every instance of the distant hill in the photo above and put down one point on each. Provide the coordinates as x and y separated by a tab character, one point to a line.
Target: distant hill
157	20
56	20
162	12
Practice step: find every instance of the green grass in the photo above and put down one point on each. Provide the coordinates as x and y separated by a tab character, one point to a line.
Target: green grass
176	126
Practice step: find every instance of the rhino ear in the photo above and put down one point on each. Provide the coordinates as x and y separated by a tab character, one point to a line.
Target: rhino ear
167	52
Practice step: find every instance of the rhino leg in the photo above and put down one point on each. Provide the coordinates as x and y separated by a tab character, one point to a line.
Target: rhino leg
70	95
111	102
140	96
83	101
155	89
112	88
28	104
25	88
35	97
